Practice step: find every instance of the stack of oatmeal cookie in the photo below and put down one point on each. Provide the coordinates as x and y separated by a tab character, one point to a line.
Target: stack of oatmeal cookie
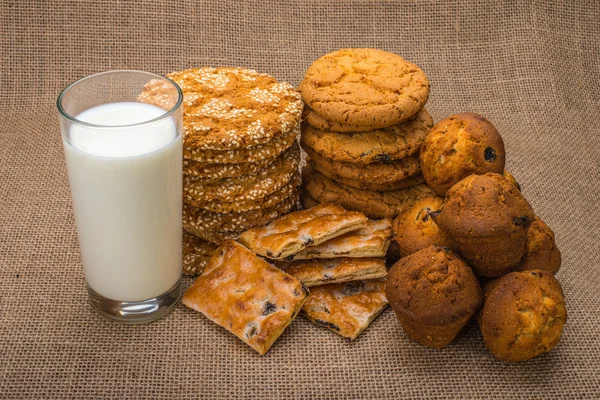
240	155
363	131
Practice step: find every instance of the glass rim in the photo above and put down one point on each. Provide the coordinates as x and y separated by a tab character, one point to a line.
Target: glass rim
76	121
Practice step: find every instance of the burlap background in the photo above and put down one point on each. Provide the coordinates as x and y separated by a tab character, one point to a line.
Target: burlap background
530	67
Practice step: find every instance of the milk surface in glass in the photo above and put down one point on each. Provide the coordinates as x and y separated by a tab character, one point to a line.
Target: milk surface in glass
126	188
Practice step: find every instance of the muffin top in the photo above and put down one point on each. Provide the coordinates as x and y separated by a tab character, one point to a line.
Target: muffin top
458	146
415	229
484	206
433	286
541	251
523	315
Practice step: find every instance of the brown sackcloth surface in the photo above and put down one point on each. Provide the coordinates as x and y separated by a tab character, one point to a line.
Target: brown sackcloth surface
531	67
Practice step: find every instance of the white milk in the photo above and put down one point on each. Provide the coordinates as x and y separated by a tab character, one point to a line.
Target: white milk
126	188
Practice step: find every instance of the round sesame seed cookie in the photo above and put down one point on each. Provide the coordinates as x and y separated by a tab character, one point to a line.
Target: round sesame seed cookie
270	149
213	237
319	122
211	171
284	192
365	87
210	226
246	187
196	253
374	174
231	108
381	145
373	203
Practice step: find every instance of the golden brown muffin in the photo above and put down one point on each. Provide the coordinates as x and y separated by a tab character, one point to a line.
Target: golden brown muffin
523	315
458	146
511	178
414	229
541	251
434	294
487	218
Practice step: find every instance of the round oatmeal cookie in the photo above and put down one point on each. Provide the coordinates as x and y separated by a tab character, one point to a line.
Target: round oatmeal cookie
458	146
373	203
245	187
365	87
270	149
230	108
211	226
381	145
211	171
359	184
319	122
374	173
196	253
286	191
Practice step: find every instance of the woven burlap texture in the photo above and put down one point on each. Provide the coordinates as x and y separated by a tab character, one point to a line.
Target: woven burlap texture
530	67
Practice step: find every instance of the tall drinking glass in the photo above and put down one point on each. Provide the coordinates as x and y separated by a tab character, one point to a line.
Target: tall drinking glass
124	161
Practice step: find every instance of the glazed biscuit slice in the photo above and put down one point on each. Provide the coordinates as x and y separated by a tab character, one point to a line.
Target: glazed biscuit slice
246	295
346	308
371	241
294	232
317	272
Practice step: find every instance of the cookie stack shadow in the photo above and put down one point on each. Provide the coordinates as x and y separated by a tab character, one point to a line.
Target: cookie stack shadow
240	156
362	129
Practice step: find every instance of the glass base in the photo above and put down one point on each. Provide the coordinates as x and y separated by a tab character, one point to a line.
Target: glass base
136	312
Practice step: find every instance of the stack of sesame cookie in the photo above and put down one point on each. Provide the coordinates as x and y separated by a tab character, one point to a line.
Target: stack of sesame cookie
240	155
363	131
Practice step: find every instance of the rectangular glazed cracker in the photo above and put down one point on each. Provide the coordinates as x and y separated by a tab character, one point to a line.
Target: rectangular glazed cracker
293	232
372	240
346	308
334	270
246	295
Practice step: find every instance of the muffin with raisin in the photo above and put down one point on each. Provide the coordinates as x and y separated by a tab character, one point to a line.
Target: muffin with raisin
458	146
434	294
487	218
414	229
540	249
523	315
511	178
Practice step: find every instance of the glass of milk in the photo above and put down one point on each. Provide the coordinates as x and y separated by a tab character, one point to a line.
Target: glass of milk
124	161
